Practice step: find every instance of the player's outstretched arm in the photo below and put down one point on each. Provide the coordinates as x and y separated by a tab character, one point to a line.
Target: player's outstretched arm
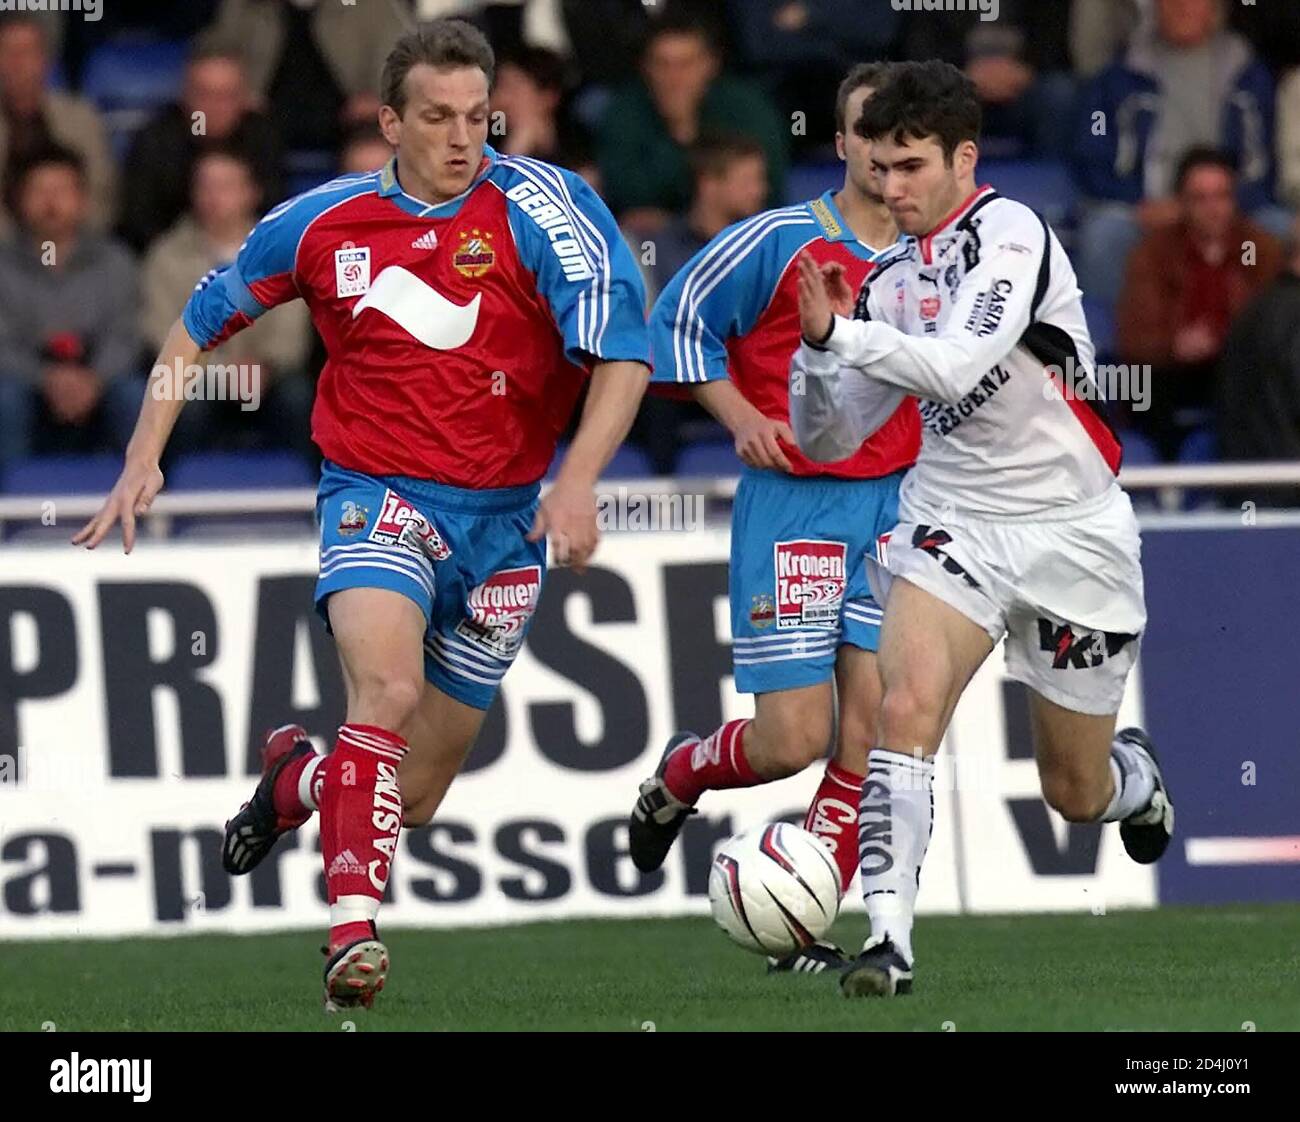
141	478
567	513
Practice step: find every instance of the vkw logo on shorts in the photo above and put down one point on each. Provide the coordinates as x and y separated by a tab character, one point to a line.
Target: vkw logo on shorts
1080	651
809	583
499	610
399	523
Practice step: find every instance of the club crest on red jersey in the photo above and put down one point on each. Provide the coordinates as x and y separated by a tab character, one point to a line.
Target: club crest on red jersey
475	255
810	578
499	610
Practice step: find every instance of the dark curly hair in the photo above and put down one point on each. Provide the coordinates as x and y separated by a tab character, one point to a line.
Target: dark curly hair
920	99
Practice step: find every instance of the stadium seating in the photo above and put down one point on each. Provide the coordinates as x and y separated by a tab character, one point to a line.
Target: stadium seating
629	462
1043	185
61	475
239	471
1101	325
129	79
711	457
808	180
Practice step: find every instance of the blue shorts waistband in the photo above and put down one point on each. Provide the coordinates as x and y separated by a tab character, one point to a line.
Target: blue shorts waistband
443	496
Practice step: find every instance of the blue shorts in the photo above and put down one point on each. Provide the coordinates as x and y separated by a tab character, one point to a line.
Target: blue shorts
459	554
798	574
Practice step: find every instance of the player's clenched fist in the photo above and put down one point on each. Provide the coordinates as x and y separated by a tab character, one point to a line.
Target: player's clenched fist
132	495
757	443
567	515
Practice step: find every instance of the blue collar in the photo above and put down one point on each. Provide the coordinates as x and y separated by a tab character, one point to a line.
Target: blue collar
835	229
390	188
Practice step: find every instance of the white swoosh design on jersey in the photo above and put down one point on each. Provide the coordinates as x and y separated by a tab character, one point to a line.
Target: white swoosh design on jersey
420	309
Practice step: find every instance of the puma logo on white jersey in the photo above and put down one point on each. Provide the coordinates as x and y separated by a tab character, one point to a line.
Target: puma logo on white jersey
423	311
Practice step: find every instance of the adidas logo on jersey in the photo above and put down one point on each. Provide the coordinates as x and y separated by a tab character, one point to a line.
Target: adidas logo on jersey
345	862
427	240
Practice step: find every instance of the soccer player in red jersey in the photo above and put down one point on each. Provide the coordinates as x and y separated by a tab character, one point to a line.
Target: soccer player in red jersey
463	297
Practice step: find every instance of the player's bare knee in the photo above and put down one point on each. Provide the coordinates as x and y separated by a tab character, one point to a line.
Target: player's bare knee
908	716
793	737
1073	798
386	700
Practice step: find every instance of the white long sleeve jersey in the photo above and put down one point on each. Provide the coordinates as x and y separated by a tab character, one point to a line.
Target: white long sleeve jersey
981	319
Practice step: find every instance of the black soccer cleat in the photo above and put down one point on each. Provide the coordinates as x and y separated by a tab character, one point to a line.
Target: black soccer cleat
657	818
1147	833
879	971
812	959
355	973
252	833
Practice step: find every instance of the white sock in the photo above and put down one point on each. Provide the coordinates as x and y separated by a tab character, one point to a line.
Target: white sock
308	784
353	909
1135	781
895	819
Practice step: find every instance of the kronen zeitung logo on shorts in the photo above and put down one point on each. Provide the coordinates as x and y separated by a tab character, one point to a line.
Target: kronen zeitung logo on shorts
215	381
1105	382
809	583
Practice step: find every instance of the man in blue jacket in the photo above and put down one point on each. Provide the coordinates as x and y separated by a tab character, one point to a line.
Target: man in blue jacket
1185	81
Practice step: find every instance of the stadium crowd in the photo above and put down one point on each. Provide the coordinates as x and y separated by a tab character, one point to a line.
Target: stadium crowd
138	150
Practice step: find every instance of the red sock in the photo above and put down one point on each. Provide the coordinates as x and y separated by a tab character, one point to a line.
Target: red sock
833	817
713	764
360	817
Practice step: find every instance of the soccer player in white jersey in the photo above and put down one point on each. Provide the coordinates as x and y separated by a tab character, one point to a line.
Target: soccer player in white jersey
1011	523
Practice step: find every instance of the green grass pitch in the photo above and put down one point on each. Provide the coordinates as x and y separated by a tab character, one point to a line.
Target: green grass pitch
1171	969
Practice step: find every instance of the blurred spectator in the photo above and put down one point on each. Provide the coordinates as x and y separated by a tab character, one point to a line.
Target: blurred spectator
127	20
68	338
608	37
215	109
1273	30
650	124
364	149
1288	139
1100	30
1184	82
1020	64
315	64
796	43
528	94
730	174
508	24
1185	285
34	117
1258	405
225	203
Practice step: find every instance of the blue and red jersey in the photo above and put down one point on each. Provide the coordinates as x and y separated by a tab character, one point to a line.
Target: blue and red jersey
458	335
733	311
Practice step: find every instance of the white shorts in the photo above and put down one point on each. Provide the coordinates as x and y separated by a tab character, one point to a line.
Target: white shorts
1066	590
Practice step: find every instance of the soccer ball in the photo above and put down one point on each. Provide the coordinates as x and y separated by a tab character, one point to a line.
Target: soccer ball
774	888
